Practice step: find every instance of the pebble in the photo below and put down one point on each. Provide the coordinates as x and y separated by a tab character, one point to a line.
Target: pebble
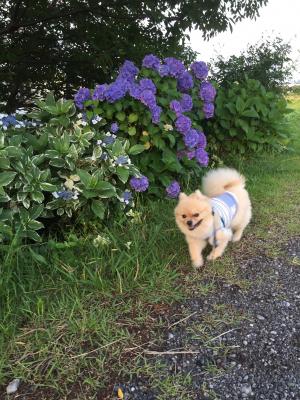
13	386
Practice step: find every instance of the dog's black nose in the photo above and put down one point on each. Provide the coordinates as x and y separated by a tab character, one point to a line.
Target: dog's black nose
190	223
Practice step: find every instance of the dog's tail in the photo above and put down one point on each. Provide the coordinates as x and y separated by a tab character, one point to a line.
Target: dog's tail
217	181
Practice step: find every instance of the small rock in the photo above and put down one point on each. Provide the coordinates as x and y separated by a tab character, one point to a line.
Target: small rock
170	336
246	390
260	317
13	386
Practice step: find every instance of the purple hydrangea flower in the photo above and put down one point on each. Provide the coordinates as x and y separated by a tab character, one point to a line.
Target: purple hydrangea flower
186	103
176	67
135	91
151	61
183	124
191	139
202	142
116	90
147	84
176	107
201	156
147	97
156	111
83	94
139	184
114	127
185	153
126	197
208	109
99	92
200	69
173	190
185	82
207	92
128	71
163	70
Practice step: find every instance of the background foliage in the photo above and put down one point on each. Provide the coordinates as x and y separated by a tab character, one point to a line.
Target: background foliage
64	44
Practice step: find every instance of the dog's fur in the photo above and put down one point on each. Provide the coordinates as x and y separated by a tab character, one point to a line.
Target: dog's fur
197	208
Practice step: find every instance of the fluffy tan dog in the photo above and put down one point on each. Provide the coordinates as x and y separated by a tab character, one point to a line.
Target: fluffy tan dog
217	216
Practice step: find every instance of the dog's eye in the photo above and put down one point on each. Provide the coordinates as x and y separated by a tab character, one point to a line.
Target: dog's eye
184	216
196	215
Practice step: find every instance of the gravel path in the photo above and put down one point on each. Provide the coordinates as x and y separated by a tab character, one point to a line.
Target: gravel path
246	344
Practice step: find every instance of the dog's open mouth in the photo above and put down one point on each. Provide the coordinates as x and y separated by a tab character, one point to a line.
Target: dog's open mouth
191	228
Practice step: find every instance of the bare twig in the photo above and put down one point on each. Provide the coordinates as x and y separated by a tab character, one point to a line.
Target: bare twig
222	334
161	353
98	348
183	319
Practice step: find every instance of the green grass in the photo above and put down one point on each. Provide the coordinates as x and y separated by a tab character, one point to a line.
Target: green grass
73	314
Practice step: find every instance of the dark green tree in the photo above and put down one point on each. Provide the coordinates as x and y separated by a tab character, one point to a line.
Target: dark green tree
267	61
61	44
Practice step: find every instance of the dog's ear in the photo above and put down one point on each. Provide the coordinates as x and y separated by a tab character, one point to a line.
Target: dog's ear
199	194
182	196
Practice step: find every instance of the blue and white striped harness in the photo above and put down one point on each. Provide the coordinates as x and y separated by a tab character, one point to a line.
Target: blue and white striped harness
225	206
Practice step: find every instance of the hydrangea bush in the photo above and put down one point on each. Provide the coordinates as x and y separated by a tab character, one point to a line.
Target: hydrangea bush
160	107
54	164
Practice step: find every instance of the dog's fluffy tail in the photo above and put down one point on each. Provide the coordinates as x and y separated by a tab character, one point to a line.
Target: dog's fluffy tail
217	181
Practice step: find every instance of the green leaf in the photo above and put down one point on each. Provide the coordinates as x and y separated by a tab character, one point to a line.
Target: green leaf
38	257
132	131
136	149
133	117
4	163
240	104
7	177
85	177
105	189
36	211
32	235
121	116
35	225
123	174
117	148
48	187
250	113
98	208
37	196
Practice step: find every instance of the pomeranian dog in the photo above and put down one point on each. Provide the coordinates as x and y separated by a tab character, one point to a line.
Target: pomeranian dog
218	215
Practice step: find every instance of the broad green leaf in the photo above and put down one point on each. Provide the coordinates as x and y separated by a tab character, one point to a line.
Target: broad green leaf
38	257
136	149
35	225
98	208
105	189
121	116
123	174
48	187
133	117
132	131
37	196
85	177
7	177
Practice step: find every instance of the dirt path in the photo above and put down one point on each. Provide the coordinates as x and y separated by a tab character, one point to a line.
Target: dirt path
234	343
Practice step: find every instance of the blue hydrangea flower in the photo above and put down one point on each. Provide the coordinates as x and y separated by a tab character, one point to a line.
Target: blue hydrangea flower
151	61
191	139
209	110
200	69
185	82
135	91
147	84
116	90
104	157
66	195
148	98
128	71
83	94
114	127
155	113
126	197
201	156
139	184
173	190
207	92
99	92
186	103
9	120
109	139
183	124
176	67
163	70
122	160
202	142
176	107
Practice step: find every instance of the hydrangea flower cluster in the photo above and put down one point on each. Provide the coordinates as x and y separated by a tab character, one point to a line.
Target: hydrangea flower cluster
11	121
140	184
173	190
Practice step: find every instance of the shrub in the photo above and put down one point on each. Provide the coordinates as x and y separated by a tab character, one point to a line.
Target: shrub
57	165
161	107
248	118
268	61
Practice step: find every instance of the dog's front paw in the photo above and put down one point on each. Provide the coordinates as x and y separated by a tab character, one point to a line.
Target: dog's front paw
198	263
212	256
